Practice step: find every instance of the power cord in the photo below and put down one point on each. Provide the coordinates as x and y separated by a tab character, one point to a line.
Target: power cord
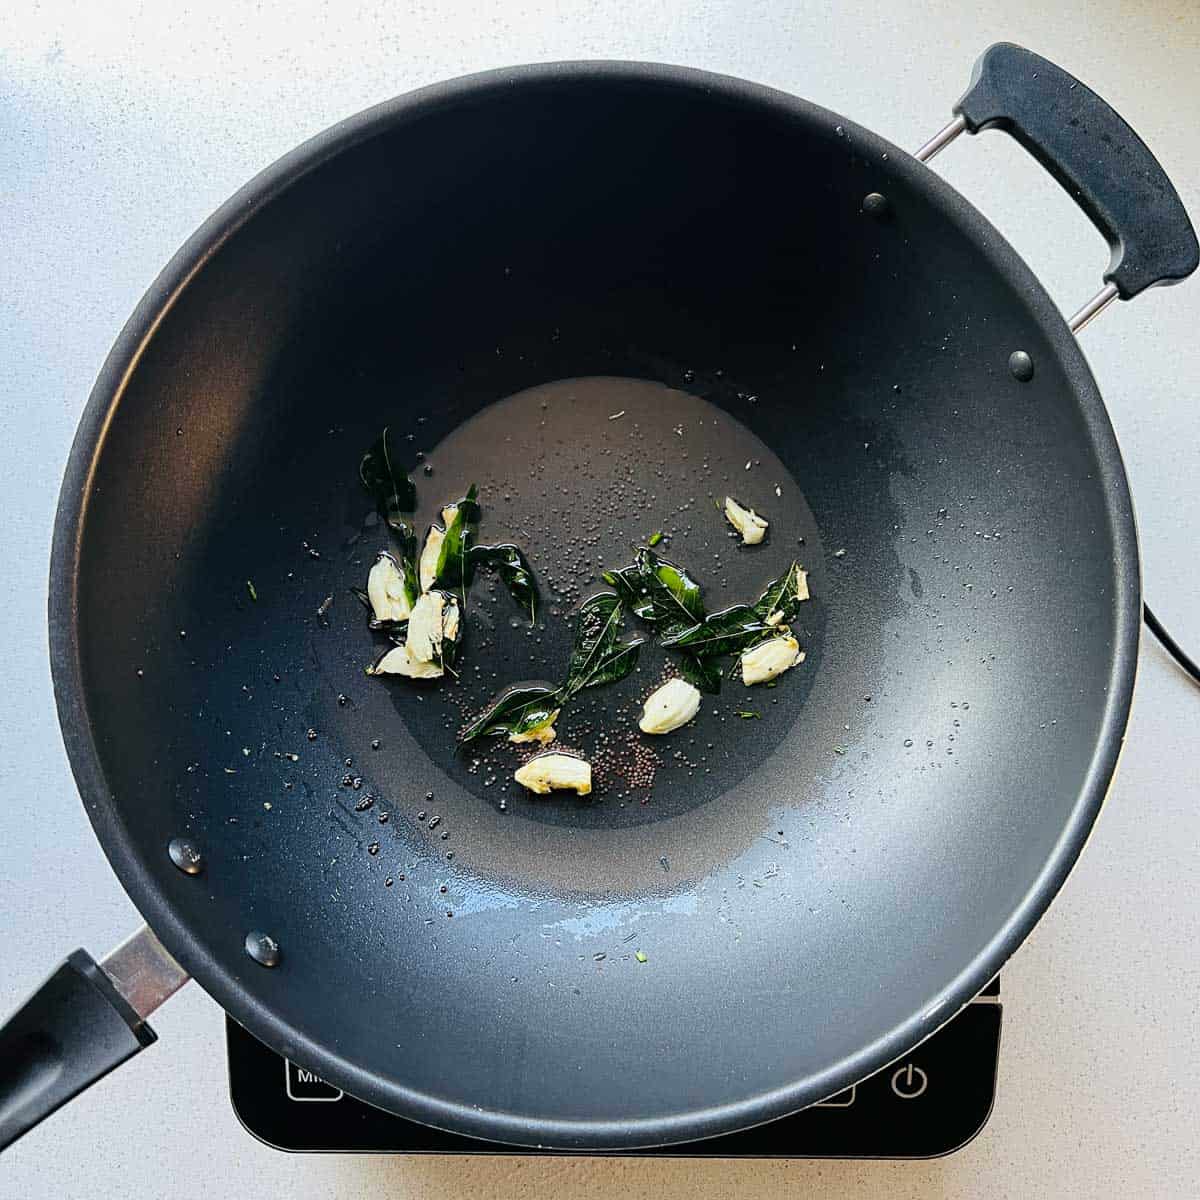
1170	645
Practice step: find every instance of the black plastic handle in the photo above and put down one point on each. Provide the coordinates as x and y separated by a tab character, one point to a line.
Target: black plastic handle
1088	147
71	1032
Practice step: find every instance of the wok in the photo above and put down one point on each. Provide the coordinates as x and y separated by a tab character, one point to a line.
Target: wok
497	266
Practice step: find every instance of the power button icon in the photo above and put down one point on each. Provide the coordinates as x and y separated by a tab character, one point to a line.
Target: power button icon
909	1082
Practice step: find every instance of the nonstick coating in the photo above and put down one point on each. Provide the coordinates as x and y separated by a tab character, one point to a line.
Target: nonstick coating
880	848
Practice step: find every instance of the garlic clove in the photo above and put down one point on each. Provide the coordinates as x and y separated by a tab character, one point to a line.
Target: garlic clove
399	661
386	591
768	659
548	771
424	639
746	521
670	706
430	553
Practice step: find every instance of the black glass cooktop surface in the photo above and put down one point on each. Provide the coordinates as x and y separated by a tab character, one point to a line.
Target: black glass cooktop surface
931	1102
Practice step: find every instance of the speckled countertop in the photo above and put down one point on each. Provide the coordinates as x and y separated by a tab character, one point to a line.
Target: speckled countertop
123	125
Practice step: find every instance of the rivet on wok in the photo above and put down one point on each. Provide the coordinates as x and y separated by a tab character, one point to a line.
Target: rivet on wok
1021	365
876	205
263	948
186	855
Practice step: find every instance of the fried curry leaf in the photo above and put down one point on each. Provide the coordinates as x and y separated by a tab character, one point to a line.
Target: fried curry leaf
784	595
412	585
407	537
616	665
632	587
676	593
599	655
659	592
598	631
727	632
388	484
454	563
517	709
515	573
702	673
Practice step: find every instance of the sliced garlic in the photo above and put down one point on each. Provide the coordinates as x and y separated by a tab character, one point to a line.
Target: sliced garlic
746	521
768	659
401	662
424	640
548	771
668	707
450	620
386	591
430	553
801	583
543	733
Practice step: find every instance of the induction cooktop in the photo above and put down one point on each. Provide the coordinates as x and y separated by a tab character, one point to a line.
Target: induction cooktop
931	1102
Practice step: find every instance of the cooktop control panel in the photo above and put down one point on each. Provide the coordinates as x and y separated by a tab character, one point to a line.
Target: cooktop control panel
931	1102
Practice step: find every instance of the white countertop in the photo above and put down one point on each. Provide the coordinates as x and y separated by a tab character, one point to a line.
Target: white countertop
122	126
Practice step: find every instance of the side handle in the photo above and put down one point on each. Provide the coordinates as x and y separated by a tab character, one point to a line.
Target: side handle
86	1019
1093	153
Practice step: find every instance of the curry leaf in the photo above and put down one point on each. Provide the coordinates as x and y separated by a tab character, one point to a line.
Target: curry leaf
454	564
659	592
412	585
702	673
407	537
514	572
599	655
727	632
676	592
784	595
632	587
517	709
388	484
617	665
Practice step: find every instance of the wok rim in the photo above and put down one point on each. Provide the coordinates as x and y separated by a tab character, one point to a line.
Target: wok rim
210	970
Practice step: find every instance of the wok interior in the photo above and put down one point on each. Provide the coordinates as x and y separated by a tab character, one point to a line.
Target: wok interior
507	239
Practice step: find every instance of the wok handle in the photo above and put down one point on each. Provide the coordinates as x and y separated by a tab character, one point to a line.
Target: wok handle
71	1032
1093	153
83	1021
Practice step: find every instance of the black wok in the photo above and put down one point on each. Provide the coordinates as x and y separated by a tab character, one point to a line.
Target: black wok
814	891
